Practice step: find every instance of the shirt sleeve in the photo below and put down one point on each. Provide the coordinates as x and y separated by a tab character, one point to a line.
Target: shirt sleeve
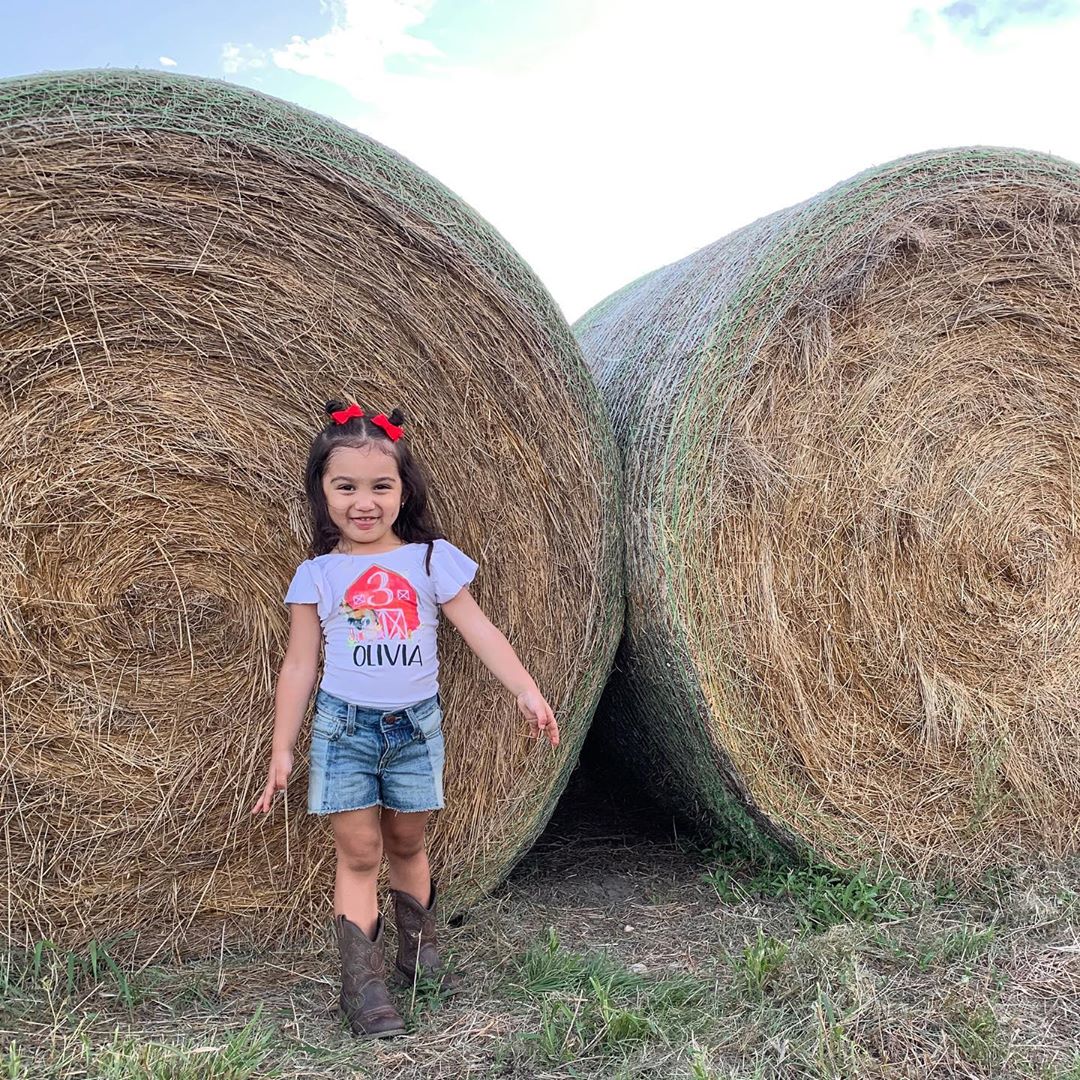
307	587
451	570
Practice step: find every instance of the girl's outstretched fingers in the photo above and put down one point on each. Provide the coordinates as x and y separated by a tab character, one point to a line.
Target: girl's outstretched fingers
265	799
538	712
550	727
277	780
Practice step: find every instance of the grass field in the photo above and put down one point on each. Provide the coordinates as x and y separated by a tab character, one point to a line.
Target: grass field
617	949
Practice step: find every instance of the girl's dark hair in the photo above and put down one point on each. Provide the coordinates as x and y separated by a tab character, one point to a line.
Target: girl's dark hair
415	523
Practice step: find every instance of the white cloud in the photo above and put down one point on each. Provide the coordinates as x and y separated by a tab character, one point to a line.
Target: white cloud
365	34
166	61
657	129
237	58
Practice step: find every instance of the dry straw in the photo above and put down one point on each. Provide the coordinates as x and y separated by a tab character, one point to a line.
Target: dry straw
188	270
851	437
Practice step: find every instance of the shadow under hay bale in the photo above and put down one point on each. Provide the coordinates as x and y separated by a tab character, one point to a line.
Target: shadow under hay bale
850	438
188	271
606	842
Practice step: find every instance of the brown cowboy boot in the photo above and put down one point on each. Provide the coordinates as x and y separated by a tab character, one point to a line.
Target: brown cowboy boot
418	949
365	1001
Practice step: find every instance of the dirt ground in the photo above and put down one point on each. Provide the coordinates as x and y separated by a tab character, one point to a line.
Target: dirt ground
618	948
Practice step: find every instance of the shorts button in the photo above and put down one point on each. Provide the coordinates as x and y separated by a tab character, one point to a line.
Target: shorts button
391	719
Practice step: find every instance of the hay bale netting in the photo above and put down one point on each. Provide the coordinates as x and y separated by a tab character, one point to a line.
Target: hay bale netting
188	271
851	436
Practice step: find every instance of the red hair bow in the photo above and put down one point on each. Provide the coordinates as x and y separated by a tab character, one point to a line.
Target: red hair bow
343	416
392	430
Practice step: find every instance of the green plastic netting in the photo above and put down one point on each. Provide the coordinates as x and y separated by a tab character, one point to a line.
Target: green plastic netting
850	439
188	271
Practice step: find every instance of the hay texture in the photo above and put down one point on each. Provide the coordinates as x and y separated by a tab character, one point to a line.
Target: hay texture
188	271
851	434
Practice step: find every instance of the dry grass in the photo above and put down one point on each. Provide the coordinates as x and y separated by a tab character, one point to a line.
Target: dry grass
851	441
616	951
188	271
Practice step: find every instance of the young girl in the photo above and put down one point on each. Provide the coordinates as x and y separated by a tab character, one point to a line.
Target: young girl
370	597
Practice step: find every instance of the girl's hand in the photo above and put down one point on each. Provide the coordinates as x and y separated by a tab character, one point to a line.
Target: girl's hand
277	779
538	712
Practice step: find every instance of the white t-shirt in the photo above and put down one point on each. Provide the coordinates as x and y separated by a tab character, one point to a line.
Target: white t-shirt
379	614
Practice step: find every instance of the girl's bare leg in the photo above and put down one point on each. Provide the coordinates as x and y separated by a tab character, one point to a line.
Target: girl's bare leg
403	841
358	841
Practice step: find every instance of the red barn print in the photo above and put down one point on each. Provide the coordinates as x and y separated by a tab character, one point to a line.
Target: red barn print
381	605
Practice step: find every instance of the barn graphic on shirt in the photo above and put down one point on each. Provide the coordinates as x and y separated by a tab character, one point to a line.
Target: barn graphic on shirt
380	606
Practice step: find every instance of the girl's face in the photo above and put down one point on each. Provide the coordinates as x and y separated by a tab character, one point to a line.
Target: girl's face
363	495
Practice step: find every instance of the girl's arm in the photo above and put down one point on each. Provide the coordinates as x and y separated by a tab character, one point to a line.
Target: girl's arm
500	659
295	682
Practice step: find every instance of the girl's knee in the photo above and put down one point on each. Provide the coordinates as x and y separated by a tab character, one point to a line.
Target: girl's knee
404	847
403	838
361	853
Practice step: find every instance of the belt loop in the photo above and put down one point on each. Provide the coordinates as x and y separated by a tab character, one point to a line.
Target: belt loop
350	722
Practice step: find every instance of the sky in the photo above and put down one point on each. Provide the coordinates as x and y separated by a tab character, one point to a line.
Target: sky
605	138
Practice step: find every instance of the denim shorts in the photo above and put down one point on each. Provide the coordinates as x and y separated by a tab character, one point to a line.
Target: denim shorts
363	756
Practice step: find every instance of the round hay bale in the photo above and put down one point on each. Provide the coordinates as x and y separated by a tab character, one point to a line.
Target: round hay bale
851	440
189	271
